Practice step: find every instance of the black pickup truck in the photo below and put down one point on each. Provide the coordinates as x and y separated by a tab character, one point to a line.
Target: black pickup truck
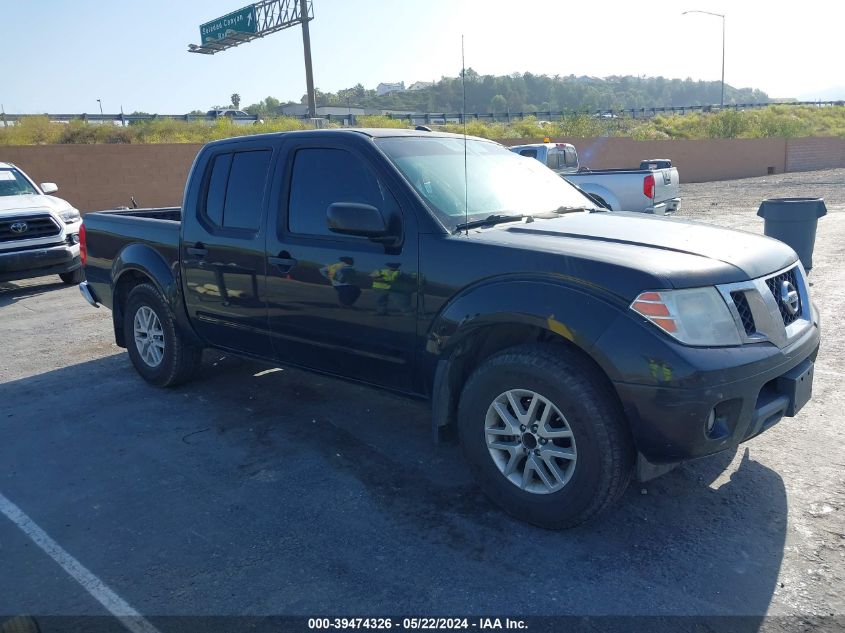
568	348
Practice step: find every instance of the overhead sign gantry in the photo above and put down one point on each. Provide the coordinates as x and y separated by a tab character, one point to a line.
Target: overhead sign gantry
258	20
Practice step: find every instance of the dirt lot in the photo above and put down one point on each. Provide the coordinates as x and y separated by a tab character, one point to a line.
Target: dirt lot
289	493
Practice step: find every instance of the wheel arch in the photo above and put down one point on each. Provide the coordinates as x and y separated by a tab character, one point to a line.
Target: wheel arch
137	264
604	193
464	335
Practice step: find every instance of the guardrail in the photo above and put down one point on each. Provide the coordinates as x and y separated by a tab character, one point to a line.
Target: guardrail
123	118
552	115
429	117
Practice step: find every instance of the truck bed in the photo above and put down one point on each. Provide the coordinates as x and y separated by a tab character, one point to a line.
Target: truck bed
173	214
110	234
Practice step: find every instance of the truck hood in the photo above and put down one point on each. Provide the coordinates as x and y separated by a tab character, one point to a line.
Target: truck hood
13	205
677	253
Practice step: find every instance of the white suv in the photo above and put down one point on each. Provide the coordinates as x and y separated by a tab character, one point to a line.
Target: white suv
39	233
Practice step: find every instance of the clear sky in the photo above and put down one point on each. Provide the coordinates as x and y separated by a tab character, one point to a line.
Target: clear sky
62	55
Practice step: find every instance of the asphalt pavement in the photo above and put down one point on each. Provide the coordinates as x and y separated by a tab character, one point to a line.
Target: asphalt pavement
262	492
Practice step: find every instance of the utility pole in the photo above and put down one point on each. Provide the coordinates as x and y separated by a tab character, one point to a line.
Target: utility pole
722	104
718	15
309	74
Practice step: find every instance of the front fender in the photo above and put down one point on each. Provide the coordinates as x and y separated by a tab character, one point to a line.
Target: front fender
568	309
574	311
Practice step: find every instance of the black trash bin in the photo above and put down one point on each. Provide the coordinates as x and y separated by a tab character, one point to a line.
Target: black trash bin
793	221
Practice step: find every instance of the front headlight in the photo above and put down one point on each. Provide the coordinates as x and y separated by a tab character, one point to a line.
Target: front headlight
70	215
694	316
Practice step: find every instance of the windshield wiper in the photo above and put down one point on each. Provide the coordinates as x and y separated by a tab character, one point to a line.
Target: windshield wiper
490	220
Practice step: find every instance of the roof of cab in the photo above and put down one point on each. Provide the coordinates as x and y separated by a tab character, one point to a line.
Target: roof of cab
368	132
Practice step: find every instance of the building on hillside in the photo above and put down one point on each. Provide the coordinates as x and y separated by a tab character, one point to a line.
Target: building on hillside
420	85
387	88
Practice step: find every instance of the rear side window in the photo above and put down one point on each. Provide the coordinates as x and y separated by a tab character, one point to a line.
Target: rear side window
216	196
530	153
236	189
324	176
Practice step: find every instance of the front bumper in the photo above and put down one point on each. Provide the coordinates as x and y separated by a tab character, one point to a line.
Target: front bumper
39	261
672	390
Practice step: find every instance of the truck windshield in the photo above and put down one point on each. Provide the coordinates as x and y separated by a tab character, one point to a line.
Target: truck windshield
14	183
497	180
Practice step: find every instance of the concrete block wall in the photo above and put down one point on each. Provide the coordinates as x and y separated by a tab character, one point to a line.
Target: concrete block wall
807	154
697	161
94	177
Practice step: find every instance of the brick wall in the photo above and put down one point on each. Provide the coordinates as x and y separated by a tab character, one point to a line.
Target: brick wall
697	161
806	154
94	177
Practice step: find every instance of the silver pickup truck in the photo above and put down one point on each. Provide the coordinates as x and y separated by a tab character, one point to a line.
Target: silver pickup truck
653	188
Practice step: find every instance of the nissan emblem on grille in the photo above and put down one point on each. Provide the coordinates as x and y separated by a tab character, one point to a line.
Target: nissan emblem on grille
19	227
789	297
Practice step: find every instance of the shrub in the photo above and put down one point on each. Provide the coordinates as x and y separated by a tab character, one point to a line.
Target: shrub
777	121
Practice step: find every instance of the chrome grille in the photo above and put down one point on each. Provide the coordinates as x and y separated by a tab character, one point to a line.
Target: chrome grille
28	227
760	311
741	303
775	285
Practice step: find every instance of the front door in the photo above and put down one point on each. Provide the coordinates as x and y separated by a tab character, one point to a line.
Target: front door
222	250
340	304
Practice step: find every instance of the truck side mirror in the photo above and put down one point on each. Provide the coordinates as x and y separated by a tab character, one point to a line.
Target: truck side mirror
353	218
49	187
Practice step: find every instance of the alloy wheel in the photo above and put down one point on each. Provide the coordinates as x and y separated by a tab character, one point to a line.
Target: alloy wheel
530	441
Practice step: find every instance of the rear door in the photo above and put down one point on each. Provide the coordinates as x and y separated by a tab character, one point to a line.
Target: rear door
222	247
341	304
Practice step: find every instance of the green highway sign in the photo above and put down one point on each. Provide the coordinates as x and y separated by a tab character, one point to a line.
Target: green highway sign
240	21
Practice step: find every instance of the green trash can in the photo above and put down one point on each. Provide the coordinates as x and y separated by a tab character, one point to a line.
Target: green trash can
793	221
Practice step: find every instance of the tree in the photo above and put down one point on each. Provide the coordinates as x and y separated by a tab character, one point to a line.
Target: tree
525	91
265	108
236	100
498	104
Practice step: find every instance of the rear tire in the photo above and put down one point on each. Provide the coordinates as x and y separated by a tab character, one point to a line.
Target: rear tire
158	350
74	277
580	451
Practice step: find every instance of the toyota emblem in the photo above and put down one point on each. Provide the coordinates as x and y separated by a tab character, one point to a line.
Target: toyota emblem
789	297
19	227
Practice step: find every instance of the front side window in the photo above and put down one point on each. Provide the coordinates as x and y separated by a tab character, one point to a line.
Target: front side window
14	183
323	176
571	157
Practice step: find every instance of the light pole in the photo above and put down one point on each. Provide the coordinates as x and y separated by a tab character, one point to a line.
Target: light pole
101	107
718	15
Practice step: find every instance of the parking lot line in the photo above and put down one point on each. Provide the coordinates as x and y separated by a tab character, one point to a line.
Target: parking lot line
113	603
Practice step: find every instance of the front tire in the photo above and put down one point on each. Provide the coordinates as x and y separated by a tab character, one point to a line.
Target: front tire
74	277
158	350
545	436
